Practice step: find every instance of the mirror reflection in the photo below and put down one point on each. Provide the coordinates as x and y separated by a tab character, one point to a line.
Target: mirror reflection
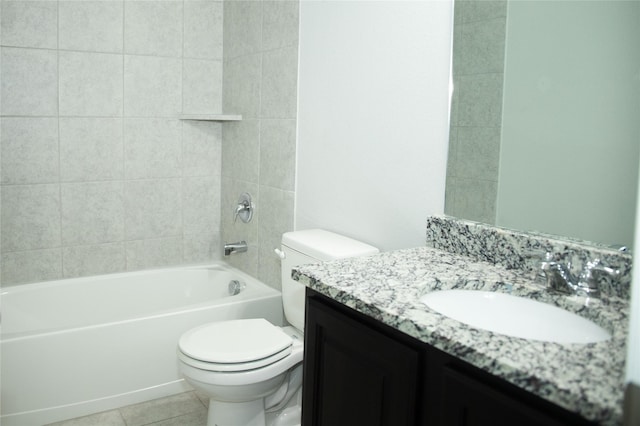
545	120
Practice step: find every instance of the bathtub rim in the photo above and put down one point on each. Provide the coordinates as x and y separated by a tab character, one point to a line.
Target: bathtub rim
263	293
19	287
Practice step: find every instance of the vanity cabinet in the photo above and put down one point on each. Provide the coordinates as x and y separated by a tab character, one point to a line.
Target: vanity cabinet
358	371
355	374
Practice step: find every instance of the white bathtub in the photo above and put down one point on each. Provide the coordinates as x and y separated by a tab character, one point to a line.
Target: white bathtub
78	346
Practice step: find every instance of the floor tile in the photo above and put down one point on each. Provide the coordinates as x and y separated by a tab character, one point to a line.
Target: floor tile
203	398
107	418
162	409
197	418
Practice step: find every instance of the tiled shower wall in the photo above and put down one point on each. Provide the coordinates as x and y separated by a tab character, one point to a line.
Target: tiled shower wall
258	153
476	111
98	174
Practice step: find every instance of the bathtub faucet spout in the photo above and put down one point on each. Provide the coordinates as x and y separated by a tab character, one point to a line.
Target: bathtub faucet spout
231	248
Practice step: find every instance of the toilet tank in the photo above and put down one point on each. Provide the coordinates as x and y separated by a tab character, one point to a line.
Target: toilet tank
311	246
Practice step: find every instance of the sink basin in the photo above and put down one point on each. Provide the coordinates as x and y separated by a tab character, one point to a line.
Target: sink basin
515	316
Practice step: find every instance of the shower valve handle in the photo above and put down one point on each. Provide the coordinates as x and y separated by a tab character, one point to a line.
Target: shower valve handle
244	208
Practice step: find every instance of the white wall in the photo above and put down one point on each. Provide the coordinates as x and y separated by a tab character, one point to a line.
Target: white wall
373	111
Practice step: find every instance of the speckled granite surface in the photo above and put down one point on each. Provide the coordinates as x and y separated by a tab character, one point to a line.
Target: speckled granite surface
587	379
521	250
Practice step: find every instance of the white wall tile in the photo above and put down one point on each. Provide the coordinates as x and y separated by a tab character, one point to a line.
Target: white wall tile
480	100
153	208
92	212
202	247
29	82
93	260
30	24
152	147
280	24
474	199
91	25
242	79
470	11
452	155
478	153
203	29
279	83
91	149
29	150
242	28
278	153
201	87
241	150
201	204
153	28
90	84
148	61
144	254
276	217
480	47
30	217
152	86
31	266
201	148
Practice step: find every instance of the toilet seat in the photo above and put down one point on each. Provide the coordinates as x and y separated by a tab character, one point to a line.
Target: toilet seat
234	346
241	377
233	367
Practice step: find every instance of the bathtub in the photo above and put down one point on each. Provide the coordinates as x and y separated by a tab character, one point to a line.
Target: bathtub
79	346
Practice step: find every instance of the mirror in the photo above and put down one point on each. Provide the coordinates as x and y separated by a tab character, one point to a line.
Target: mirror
545	119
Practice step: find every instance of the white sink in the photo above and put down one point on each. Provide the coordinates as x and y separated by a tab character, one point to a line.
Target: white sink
514	316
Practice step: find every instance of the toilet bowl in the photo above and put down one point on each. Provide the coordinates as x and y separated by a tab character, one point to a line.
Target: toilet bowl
249	367
237	364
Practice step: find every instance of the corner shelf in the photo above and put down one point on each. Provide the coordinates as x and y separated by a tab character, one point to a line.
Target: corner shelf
211	117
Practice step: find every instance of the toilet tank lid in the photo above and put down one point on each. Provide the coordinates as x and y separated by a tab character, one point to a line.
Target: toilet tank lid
324	245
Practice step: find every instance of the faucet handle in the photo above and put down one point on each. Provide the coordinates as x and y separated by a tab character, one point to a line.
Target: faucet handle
535	261
594	272
244	208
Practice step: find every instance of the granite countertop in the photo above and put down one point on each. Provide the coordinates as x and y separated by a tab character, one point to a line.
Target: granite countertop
583	378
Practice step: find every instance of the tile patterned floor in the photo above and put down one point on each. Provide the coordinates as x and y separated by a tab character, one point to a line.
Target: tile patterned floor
185	409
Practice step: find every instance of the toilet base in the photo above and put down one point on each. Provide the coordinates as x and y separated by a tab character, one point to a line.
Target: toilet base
249	413
290	415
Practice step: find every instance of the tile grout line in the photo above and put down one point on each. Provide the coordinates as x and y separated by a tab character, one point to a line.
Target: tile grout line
182	125
124	151
60	209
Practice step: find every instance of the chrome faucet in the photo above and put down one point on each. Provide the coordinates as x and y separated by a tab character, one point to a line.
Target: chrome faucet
559	277
593	273
239	247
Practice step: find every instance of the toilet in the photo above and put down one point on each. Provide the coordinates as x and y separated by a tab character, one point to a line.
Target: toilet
250	367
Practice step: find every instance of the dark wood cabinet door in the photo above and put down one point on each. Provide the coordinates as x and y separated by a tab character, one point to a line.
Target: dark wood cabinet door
355	374
469	402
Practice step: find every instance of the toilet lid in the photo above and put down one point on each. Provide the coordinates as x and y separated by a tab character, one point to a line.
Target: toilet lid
233	342
234	367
